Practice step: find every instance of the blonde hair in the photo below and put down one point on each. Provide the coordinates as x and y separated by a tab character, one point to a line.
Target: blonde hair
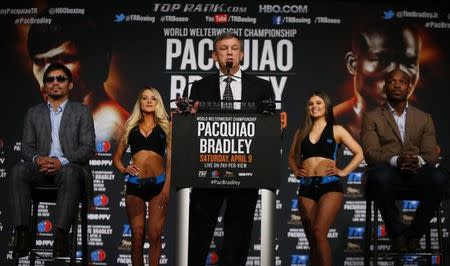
161	117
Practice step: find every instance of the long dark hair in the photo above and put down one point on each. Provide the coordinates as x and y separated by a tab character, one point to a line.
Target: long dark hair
306	125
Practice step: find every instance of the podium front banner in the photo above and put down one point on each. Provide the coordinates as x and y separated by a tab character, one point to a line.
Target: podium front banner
215	150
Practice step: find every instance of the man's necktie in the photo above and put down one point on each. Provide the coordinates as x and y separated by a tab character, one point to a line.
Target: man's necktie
228	94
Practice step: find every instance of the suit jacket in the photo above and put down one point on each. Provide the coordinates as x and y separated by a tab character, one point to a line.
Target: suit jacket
253	89
381	139
76	136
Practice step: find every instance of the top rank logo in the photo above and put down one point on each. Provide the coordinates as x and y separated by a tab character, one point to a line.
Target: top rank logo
355	232
410	205
126	230
299	259
198	8
294	205
354	178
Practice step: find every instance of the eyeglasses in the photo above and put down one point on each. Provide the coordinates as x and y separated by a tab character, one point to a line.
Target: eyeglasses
51	79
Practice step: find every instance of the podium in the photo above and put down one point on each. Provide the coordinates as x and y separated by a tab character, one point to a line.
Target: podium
226	150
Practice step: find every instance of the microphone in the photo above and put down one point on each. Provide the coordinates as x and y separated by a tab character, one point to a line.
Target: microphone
268	106
229	65
182	103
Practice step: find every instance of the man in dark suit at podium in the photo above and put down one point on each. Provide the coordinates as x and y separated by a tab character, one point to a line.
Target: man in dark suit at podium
228	85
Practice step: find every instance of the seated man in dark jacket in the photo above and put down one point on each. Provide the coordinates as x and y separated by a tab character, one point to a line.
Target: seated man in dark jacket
400	148
58	141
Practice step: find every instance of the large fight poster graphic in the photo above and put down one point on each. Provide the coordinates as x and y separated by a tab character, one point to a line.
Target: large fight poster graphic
115	49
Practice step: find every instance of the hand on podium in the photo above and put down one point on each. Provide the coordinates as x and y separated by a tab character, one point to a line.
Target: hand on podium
194	107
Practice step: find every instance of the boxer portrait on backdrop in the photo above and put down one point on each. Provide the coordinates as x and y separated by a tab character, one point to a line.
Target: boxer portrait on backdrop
75	42
377	49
